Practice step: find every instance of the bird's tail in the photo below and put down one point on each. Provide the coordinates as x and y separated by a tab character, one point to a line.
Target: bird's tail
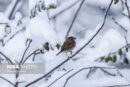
58	53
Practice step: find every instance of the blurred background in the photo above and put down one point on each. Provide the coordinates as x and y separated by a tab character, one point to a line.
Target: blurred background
22	6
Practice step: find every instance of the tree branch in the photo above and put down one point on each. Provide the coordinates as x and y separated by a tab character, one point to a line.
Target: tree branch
76	52
25	51
127	7
105	71
13	9
118	85
7	81
60	78
7	58
74	18
58	10
82	70
124	29
33	53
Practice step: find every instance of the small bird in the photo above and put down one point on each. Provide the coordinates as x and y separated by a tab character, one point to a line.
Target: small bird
68	45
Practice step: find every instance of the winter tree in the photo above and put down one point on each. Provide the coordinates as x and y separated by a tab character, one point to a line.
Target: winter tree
32	32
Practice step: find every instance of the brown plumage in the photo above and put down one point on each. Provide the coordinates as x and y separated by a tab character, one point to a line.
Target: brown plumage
68	45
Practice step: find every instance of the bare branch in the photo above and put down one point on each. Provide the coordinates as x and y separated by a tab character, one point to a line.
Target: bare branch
90	71
13	9
118	85
124	29
122	3
7	58
59	10
25	51
127	7
74	18
33	53
13	35
36	54
105	71
7	81
126	41
60	77
82	70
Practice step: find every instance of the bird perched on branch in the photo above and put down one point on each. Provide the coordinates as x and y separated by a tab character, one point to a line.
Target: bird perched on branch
68	45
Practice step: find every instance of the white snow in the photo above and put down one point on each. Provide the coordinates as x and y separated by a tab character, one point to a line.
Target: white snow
40	30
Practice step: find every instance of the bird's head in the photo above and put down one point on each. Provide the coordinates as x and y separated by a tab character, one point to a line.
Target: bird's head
72	38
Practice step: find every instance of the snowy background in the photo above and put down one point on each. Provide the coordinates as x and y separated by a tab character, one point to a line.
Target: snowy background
27	26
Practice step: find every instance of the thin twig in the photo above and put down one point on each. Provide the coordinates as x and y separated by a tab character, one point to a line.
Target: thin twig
124	29
122	3
63	10
36	80
74	18
7	58
127	7
105	71
13	9
7	81
82	70
60	78
90	71
25	51
12	36
33	53
36	54
17	73
117	85
121	75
